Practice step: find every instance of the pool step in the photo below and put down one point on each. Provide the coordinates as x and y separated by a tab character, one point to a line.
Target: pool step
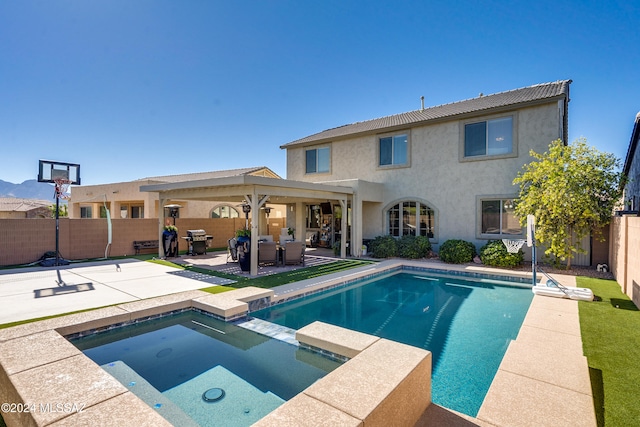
271	330
149	394
238	404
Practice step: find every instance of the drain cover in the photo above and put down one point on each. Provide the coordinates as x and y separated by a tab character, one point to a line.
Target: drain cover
213	395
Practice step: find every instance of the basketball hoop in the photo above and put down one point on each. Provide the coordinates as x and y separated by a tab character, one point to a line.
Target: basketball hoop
61	174
62	188
513	246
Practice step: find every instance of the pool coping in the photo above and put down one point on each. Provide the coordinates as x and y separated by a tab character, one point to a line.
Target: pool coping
48	381
550	332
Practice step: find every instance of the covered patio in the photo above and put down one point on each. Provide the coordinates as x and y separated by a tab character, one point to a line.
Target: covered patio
255	191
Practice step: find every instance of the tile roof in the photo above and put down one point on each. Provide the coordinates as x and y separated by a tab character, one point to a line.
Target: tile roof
14	204
531	94
208	175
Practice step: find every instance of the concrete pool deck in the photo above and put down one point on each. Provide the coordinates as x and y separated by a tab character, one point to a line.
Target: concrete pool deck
543	378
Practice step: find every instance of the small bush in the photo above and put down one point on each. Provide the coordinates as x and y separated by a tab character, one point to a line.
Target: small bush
383	247
413	247
495	254
457	251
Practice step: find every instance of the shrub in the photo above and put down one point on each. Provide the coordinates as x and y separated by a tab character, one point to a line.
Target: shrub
383	247
336	247
457	251
495	253
413	246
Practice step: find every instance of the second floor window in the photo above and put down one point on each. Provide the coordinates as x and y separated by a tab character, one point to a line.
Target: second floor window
489	138
317	160
393	150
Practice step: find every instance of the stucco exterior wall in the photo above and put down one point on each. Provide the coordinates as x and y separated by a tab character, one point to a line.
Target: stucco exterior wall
436	174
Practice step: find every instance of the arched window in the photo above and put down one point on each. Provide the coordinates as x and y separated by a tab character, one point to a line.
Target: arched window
411	218
224	211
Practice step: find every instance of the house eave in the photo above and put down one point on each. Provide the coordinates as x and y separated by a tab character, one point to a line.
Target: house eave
431	121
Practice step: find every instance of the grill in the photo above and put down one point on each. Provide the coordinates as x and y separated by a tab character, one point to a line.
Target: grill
198	241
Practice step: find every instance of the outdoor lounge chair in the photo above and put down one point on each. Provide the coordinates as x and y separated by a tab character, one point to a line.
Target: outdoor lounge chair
232	252
311	239
294	253
267	253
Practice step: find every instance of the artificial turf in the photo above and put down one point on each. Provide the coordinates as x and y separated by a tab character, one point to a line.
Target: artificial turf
283	278
610	328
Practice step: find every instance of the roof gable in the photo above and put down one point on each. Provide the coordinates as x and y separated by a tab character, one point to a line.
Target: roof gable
258	171
528	95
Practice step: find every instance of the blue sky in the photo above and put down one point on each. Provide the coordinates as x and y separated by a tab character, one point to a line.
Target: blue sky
131	89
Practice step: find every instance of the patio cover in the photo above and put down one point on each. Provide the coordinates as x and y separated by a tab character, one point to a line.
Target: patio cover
257	190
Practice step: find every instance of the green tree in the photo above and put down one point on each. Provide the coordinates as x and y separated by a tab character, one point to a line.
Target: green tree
572	191
63	211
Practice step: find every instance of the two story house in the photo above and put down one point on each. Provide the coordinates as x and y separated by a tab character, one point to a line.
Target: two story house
445	172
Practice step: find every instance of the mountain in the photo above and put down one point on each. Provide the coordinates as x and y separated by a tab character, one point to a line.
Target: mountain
30	189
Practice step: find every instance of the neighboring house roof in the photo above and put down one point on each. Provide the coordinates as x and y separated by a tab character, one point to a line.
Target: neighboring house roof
530	95
633	145
258	170
13	204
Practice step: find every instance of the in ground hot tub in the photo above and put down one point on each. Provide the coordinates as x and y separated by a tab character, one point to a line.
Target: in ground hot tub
194	369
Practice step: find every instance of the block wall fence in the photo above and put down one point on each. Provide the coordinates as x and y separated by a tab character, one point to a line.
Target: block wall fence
24	241
624	254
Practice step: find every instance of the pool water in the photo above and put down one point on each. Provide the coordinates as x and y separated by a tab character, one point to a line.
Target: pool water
466	324
197	370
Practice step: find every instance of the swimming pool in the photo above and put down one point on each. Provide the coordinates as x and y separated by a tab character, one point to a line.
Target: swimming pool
466	323
197	370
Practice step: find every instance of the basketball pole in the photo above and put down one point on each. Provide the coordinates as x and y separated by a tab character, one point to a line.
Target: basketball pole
533	263
57	224
531	241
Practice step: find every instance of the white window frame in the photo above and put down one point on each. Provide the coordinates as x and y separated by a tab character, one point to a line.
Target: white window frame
224	205
418	203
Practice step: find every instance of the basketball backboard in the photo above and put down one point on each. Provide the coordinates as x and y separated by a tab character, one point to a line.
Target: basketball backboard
50	171
531	229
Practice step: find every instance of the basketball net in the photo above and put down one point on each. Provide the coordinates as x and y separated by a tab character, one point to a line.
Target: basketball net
513	246
62	188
